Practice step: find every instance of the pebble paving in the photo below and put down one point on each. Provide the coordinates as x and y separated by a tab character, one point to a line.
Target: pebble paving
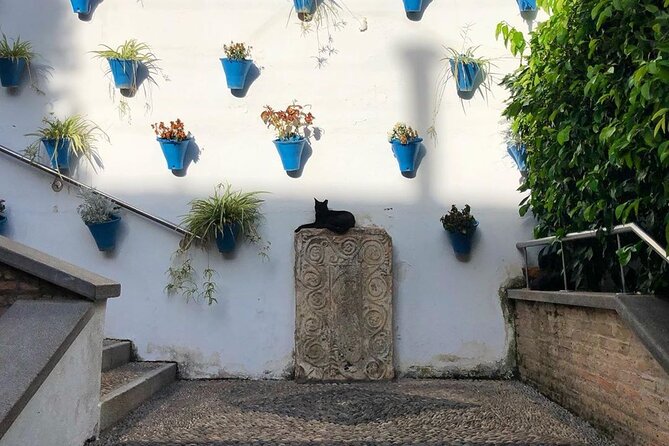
406	412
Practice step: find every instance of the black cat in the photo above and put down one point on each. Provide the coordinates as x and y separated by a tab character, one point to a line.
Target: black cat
336	221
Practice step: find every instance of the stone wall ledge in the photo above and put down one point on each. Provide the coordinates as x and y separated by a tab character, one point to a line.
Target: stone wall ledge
58	272
647	316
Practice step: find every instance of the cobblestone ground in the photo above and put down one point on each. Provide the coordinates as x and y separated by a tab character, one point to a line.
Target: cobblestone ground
408	412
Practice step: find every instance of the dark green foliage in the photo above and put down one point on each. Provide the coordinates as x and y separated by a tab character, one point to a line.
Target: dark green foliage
459	221
592	104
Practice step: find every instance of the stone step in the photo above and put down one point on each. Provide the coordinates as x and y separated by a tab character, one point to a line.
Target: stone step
115	353
125	388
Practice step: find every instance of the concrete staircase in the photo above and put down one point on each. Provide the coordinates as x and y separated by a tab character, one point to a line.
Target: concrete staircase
127	384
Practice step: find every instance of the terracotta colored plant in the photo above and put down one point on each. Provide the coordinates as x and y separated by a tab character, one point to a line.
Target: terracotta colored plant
289	124
175	132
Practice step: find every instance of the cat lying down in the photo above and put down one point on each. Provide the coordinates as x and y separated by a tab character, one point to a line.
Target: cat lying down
336	221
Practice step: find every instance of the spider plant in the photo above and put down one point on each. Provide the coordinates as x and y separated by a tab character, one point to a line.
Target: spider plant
15	56
74	135
212	218
222	216
328	16
125	63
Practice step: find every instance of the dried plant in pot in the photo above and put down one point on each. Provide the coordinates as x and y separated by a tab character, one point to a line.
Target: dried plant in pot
15	57
223	218
405	144
101	216
236	64
174	141
290	126
74	136
460	226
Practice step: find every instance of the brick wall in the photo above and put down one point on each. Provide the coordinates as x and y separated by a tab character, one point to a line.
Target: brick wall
15	285
587	360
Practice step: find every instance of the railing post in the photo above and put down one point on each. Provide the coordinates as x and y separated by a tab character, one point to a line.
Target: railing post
564	267
622	270
527	274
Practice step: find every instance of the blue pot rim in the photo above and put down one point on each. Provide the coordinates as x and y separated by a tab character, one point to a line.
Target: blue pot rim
236	60
289	141
15	59
174	141
56	139
413	141
113	220
124	60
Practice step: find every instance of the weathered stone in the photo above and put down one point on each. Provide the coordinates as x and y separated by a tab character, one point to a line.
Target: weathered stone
343	290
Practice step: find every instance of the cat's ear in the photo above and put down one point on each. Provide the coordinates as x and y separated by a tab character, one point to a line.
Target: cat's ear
316	201
325	202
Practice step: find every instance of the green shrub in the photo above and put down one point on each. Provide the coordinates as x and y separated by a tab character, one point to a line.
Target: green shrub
592	104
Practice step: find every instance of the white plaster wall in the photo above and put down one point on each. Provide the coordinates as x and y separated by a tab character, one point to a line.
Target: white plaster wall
65	409
448	315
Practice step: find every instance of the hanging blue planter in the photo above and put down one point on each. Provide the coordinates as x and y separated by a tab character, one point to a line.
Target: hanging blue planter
462	243
527	5
59	152
305	6
105	233
124	72
413	5
226	241
406	154
236	72
81	6
291	153
174	151
518	152
3	222
465	74
11	71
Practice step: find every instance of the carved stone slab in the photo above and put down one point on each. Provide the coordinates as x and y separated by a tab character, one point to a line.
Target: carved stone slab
344	308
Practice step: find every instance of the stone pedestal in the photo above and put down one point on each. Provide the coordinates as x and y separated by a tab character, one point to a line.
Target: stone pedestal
343	291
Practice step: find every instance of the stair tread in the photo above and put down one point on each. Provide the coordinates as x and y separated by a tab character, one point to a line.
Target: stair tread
108	342
120	376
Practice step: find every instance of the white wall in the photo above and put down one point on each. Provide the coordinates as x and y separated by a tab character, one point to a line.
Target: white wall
448	315
65	409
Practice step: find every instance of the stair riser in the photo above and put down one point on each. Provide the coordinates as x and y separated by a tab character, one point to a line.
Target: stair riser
122	401
116	355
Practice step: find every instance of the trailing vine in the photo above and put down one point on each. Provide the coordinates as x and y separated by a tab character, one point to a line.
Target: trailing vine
590	103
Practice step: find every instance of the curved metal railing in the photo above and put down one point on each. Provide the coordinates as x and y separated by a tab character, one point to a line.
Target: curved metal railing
59	177
617	230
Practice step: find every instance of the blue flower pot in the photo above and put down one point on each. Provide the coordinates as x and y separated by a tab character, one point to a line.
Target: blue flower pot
236	72
124	72
519	154
406	154
59	152
3	222
11	71
465	74
527	5
174	151
81	6
291	153
226	241
413	5
105	233
305	6
462	243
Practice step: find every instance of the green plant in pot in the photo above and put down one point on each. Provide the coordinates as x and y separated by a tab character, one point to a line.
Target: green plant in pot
101	216
405	144
460	226
131	64
224	218
15	58
236	64
3	219
74	136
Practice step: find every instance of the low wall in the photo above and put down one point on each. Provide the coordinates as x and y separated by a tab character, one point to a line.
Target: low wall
591	361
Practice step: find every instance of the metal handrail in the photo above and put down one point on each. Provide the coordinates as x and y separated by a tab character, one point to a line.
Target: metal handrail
60	177
617	230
